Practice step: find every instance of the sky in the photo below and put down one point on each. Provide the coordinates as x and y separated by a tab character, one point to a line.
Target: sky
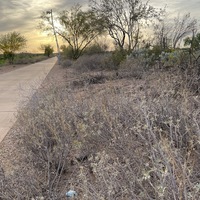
23	16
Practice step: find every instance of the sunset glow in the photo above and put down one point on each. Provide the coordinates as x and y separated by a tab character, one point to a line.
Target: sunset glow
24	16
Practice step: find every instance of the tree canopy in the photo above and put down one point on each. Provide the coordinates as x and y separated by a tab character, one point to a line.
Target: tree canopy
124	19
10	43
78	28
193	42
47	48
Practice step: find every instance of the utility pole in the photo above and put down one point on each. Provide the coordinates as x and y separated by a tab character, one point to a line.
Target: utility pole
54	31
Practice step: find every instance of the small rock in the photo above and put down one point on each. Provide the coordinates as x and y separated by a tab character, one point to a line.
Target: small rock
71	193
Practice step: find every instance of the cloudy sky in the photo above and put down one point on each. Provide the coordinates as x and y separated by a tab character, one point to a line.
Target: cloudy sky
23	15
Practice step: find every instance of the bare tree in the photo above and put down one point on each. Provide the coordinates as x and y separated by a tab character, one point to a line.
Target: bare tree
182	27
162	32
124	19
170	32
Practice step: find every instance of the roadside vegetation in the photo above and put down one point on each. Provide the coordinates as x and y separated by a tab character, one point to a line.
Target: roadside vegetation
48	49
12	43
124	124
22	59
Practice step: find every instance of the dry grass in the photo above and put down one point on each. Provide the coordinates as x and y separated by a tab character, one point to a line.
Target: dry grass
87	63
121	139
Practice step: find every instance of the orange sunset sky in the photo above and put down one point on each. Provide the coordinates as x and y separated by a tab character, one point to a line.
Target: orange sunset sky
23	16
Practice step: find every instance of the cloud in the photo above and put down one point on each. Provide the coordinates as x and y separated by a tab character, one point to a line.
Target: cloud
23	14
180	6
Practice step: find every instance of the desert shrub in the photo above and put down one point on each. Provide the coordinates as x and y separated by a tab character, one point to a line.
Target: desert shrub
67	52
48	49
2	61
156	50
166	58
66	63
28	58
9	55
192	77
92	62
117	57
145	155
147	56
133	68
94	49
48	140
86	80
109	61
120	143
175	58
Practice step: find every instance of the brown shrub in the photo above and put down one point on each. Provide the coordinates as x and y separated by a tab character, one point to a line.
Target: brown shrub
66	63
92	62
139	144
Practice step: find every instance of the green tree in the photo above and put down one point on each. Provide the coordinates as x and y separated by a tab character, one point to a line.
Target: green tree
79	28
48	49
67	51
10	43
194	47
193	42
